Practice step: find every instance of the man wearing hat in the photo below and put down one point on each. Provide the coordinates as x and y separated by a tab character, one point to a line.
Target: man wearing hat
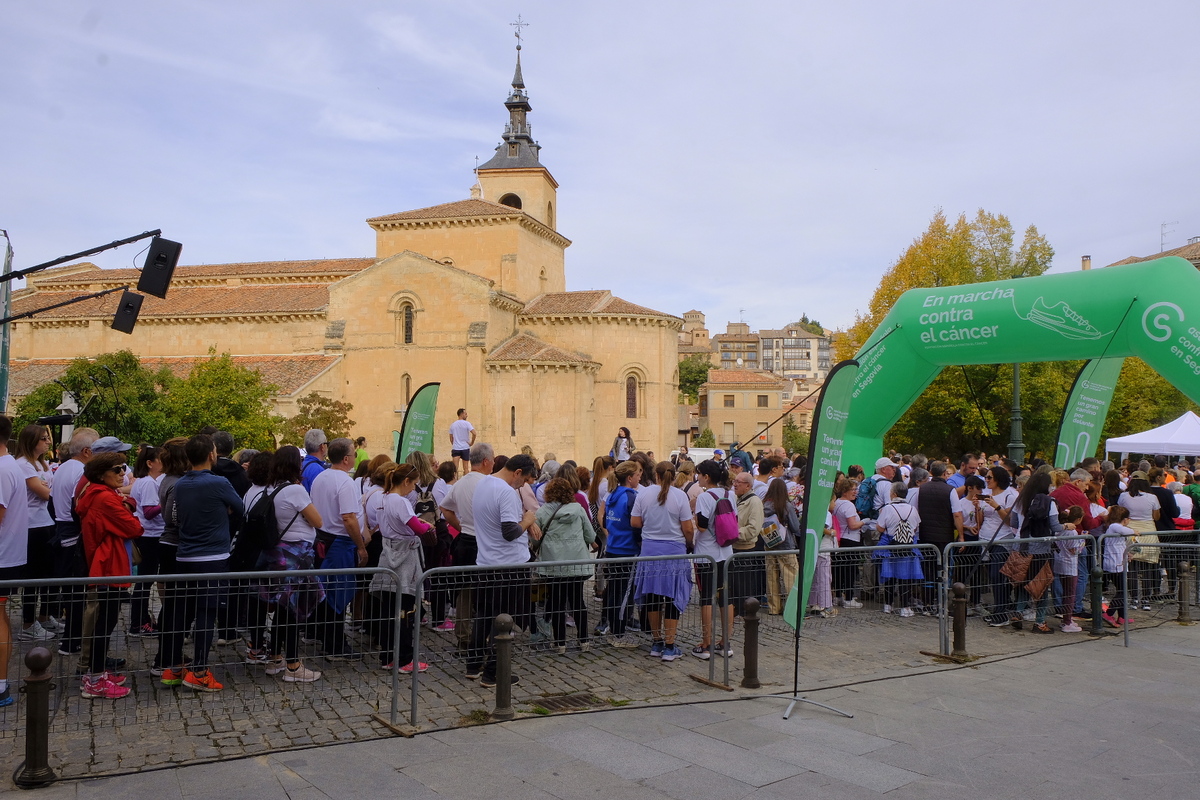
718	454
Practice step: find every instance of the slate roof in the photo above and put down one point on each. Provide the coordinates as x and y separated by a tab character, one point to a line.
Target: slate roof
289	373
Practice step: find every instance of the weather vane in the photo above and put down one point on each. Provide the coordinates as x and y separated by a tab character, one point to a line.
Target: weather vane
519	24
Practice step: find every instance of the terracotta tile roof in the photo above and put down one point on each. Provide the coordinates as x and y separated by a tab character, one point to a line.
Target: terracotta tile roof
588	302
526	348
187	301
93	274
1189	251
736	337
735	376
455	210
289	373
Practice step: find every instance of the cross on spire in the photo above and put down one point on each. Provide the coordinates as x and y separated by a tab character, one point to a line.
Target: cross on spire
519	24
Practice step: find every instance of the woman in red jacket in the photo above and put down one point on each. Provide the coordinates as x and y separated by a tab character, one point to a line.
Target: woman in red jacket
107	523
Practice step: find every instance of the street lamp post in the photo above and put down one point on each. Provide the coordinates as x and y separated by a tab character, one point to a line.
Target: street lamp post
1016	445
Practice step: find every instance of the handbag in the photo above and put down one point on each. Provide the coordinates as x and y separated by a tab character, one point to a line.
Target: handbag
321	544
1038	585
1016	569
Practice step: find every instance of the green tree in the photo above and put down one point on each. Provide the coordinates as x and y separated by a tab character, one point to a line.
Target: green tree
218	392
810	325
706	439
794	439
118	397
967	408
693	372
315	411
1143	399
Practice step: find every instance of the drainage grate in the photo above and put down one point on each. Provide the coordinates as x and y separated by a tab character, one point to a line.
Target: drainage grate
568	702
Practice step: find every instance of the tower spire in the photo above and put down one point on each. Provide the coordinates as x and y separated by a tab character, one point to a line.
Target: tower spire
518	150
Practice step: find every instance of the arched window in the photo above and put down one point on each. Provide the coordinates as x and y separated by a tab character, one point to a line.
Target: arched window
407	385
550	214
406	320
511	200
512	421
631	397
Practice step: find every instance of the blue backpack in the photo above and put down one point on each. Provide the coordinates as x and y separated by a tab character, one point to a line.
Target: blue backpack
864	501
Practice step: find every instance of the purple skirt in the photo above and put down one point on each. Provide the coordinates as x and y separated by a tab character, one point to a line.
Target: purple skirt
671	579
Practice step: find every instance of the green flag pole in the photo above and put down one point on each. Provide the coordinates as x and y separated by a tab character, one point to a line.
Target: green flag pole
416	432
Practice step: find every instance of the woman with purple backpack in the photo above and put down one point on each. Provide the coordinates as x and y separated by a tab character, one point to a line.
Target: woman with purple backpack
713	480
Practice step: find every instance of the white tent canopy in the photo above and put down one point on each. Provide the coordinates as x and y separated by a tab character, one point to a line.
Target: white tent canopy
1180	437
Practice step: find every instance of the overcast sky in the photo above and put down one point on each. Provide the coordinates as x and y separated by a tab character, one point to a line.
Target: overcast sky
771	157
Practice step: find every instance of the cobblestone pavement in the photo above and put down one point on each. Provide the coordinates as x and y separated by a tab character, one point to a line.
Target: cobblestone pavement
255	714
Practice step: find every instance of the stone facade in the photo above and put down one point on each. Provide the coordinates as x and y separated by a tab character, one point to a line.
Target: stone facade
470	293
738	403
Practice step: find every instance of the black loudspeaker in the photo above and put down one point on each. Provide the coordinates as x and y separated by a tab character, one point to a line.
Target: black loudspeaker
127	312
159	266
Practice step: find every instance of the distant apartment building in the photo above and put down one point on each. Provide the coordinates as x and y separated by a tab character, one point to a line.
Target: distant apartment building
693	339
736	404
737	348
795	353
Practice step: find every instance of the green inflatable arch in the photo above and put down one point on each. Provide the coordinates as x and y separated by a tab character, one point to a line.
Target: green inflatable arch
1150	310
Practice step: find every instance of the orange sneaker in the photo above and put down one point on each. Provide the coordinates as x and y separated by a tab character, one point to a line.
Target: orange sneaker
172	677
201	683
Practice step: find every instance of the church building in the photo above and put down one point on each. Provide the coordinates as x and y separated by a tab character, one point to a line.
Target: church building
470	293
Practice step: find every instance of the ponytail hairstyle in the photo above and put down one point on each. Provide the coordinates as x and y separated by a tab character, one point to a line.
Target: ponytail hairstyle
665	472
685	470
397	475
600	468
381	469
623	471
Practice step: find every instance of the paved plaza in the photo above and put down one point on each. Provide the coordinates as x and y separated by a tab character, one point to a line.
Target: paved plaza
1092	721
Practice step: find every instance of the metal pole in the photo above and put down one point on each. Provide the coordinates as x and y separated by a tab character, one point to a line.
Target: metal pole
750	673
1097	592
503	638
960	621
1016	445
1125	600
944	571
6	329
36	771
412	716
1183	591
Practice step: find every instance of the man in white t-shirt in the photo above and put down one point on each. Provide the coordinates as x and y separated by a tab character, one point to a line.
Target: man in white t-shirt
14	539
502	539
462	436
70	562
458	509
337	500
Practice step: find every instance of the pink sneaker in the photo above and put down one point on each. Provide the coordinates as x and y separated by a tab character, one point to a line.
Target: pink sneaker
448	625
408	668
103	689
1072	628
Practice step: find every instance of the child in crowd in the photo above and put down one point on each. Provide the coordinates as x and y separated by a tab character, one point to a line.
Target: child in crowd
1114	564
1066	569
820	598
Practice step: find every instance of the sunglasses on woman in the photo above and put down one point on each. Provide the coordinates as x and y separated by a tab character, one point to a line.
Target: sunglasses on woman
119	468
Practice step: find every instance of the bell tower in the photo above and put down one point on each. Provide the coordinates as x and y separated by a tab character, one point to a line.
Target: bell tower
514	176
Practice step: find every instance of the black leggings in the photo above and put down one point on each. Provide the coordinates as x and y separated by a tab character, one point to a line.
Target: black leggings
565	596
139	605
661	603
40	555
617	579
846	561
108	610
400	651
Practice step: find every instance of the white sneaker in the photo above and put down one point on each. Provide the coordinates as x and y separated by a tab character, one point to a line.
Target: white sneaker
300	674
35	633
887	609
907	612
53	625
852	604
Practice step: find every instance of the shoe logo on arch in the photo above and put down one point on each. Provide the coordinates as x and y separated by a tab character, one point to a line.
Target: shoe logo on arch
1062	319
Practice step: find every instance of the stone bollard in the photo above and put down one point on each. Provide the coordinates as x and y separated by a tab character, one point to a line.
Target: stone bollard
503	636
36	771
960	620
1096	589
750	617
1184	592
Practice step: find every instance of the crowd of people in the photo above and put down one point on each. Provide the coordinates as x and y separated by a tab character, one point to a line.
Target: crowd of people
541	536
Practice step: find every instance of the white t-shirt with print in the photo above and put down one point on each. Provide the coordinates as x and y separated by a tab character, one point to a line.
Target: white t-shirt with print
334	494
14	529
662	522
706	540
145	493
460	433
39	509
394	515
495	502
